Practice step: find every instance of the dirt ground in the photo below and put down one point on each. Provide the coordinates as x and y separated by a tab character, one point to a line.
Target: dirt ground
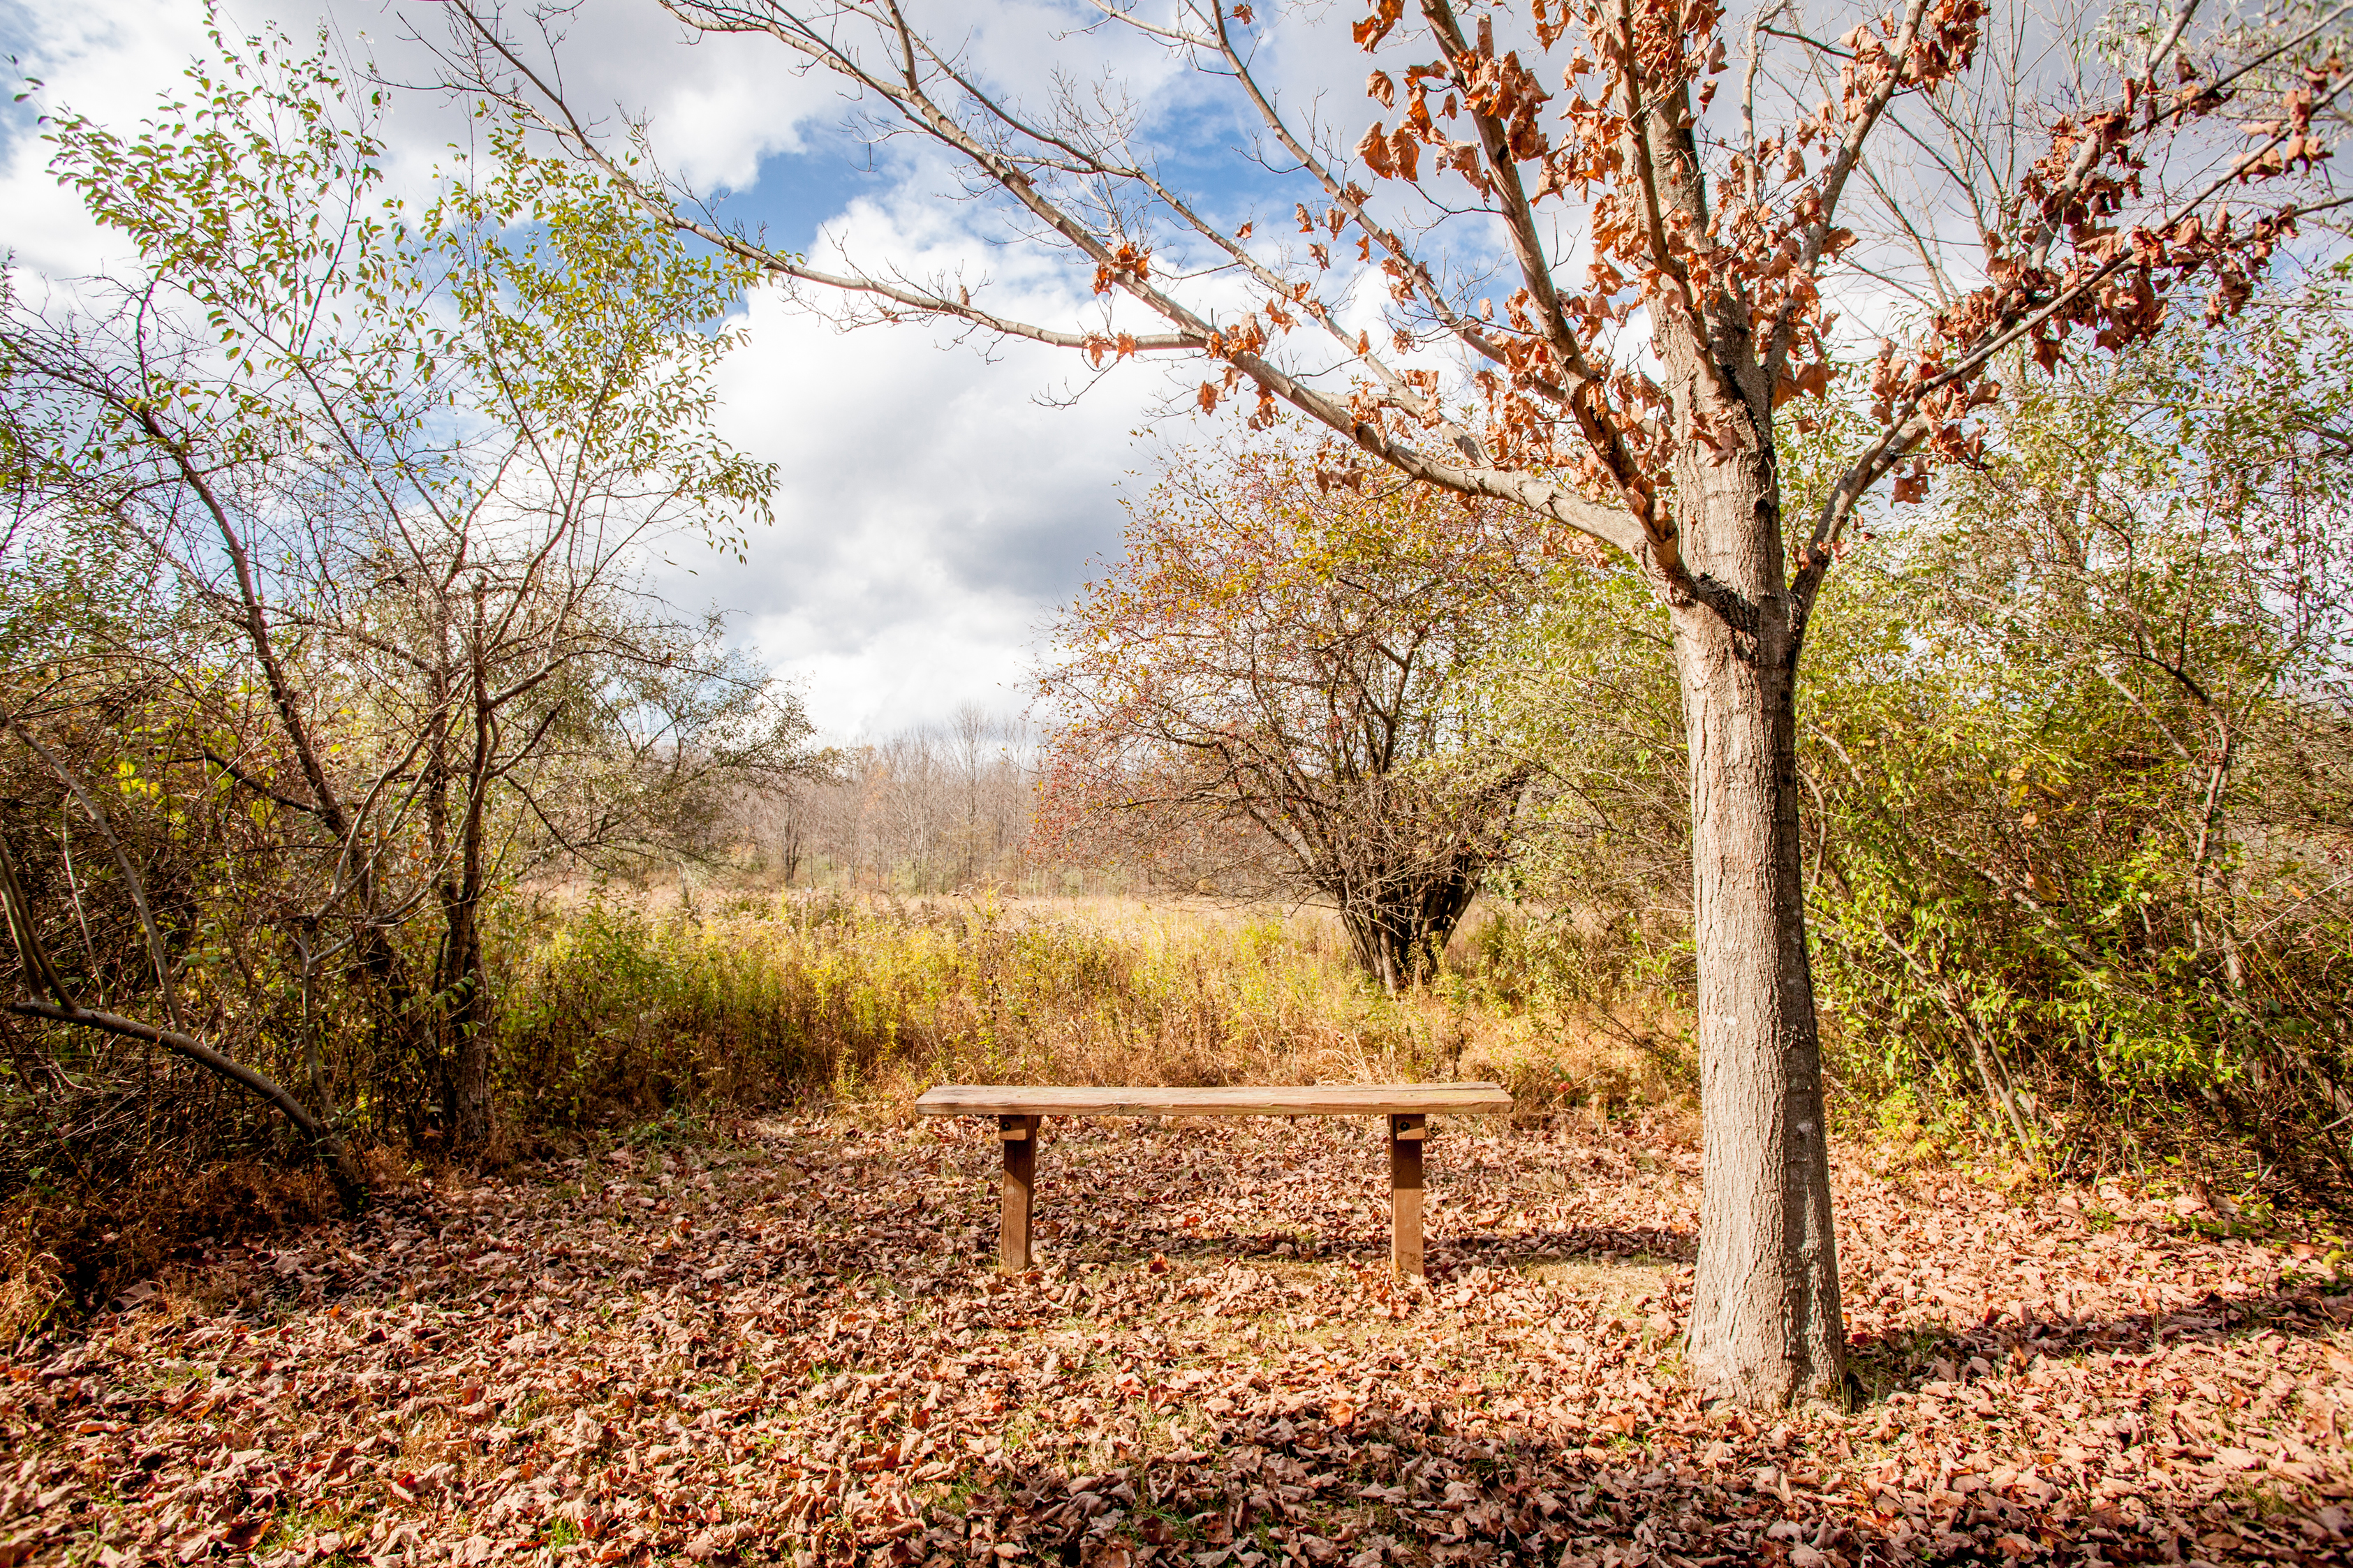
787	1343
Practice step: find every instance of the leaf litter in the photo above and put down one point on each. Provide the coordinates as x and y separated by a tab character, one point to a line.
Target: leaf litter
791	1346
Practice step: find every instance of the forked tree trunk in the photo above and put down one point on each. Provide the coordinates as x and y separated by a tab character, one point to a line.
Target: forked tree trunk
1400	933
1766	1325
1382	940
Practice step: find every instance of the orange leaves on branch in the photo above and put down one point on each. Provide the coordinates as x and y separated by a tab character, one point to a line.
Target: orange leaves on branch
1347	475
1499	88
1550	23
1748	252
1128	264
1947	44
2079	265
1247	336
1369	32
1802	381
1118	346
1390	156
2289	143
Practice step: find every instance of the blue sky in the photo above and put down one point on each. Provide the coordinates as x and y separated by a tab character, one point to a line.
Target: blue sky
934	507
935	502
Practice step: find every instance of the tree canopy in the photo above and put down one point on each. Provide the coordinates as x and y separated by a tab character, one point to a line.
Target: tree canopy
1269	693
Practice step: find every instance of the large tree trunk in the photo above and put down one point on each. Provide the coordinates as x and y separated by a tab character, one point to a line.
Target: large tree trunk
1766	1325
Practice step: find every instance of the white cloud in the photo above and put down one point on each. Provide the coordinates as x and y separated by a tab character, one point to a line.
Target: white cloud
931	511
109	61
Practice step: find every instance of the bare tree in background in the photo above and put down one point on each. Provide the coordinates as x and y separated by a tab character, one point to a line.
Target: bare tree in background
934	809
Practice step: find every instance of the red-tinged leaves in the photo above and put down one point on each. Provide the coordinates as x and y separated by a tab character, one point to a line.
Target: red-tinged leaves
2071	261
1389	156
1127	264
1550	23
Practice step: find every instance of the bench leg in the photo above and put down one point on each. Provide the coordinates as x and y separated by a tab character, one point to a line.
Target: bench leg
1406	1136
1019	1134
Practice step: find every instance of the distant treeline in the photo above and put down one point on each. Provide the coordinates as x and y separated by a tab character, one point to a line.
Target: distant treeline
927	810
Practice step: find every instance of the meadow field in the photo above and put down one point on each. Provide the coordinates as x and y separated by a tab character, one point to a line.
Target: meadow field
868	1000
621	1009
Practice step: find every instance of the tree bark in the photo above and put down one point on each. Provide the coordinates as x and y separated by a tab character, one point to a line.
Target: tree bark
1399	932
1765	1329
468	1025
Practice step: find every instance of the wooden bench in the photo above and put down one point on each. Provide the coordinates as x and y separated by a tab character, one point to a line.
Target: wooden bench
1019	1113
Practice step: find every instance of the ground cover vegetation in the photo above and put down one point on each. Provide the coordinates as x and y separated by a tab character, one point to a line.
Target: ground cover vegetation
786	1342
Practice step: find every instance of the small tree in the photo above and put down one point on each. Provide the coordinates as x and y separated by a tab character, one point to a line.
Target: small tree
1667	250
1269	687
401	475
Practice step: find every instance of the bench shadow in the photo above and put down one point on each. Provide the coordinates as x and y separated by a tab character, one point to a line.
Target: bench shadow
1582	1244
1443	1251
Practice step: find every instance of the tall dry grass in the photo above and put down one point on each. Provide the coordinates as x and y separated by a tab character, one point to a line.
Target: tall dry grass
614	1011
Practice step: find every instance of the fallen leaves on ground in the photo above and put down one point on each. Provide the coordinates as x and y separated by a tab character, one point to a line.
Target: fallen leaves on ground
793	1346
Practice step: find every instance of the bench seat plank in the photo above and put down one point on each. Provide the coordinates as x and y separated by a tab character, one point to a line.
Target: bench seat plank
1325	1100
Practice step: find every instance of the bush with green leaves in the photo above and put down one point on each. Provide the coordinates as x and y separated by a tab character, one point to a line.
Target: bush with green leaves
323	617
2076	759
